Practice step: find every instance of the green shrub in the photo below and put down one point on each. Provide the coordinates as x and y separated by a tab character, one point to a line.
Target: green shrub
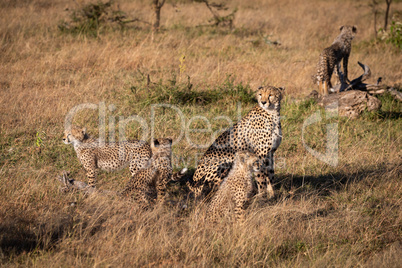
394	36
89	19
183	93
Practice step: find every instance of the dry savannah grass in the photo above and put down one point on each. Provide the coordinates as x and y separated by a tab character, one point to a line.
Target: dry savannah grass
343	215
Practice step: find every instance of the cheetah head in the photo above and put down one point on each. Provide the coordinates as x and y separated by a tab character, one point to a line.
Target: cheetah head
269	98
75	134
162	147
349	31
249	160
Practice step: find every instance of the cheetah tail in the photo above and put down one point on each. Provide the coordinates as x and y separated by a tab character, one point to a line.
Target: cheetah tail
178	175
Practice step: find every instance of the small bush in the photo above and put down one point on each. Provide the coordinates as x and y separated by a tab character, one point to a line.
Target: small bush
184	94
89	19
394	36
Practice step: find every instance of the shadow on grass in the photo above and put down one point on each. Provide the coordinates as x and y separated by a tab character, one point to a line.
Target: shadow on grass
297	187
15	240
325	185
21	234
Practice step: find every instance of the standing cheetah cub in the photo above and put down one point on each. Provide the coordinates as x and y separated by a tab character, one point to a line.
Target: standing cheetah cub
151	182
94	155
236	188
331	57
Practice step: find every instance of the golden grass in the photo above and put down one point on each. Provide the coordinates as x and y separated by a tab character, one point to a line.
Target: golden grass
348	215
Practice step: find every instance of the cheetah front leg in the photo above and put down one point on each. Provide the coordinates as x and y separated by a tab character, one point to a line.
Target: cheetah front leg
259	174
325	86
163	178
91	171
265	176
320	87
271	173
345	68
261	182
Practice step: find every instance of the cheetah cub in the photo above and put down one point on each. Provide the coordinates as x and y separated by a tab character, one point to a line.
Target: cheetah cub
236	188
150	183
331	57
95	155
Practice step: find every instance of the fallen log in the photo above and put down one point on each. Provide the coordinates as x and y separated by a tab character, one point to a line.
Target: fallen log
350	103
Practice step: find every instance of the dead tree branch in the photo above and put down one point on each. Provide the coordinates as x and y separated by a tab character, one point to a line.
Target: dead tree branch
218	19
374	89
69	185
360	79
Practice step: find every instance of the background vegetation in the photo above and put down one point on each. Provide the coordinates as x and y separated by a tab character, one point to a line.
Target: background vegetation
348	215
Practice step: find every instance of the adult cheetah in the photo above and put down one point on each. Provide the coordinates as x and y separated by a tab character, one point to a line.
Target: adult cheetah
95	155
236	188
258	132
331	57
150	183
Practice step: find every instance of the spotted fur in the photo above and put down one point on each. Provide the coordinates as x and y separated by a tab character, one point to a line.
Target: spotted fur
95	155
150	183
331	57
258	132
237	188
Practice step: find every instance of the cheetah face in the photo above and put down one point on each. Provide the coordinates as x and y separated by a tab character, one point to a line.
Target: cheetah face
269	98
162	146
249	160
349	31
75	134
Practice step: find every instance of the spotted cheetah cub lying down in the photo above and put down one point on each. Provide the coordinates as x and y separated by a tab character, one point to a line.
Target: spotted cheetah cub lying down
150	183
236	188
331	57
95	155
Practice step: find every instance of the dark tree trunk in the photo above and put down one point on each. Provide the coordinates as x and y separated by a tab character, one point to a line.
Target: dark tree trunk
157	6
387	13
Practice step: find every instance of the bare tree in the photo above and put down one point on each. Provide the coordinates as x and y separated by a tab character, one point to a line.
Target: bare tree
387	13
218	19
373	6
157	6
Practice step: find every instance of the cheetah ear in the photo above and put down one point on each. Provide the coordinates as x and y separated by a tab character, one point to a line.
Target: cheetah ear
281	89
259	88
84	131
170	140
155	142
354	29
340	29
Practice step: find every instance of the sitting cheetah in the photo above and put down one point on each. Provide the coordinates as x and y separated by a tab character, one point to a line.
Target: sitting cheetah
237	187
258	132
107	156
151	182
331	57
